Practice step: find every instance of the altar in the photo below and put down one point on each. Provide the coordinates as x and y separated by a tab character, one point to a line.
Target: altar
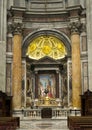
48	107
47	102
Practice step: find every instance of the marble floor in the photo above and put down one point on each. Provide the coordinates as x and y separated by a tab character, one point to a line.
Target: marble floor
46	124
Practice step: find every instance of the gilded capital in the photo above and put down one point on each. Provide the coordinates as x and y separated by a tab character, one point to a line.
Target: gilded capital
75	27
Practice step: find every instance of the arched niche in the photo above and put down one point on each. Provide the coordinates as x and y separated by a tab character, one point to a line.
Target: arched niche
46	32
47	63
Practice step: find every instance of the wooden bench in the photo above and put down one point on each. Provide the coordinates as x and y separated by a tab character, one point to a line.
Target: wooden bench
79	122
9	123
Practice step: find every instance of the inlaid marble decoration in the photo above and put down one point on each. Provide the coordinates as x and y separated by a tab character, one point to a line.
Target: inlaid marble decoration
85	75
8	79
70	83
83	44
46	124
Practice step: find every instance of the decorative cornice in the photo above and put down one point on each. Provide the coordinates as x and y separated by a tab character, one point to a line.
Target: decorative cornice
75	7
15	8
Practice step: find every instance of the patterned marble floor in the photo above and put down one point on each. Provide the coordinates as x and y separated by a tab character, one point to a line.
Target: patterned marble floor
46	124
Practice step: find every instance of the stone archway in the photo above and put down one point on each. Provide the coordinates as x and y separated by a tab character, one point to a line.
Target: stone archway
26	43
60	35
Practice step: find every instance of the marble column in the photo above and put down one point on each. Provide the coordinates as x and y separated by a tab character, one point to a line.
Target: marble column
76	65
17	67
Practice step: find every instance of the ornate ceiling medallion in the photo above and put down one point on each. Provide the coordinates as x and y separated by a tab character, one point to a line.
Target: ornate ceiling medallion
46	46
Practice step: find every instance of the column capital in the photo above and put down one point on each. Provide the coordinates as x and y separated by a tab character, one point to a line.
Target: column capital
75	27
17	28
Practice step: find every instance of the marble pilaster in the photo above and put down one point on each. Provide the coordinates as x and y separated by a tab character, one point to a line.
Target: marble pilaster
3	16
89	40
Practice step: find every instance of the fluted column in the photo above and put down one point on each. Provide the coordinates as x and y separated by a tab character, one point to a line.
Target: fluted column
17	67
76	65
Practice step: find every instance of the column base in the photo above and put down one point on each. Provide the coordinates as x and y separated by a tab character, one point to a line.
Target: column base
75	111
18	113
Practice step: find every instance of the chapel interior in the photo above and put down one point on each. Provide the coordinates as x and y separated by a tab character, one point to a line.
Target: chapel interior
45	64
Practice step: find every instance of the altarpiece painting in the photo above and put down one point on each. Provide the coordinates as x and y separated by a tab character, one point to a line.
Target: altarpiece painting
47	82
